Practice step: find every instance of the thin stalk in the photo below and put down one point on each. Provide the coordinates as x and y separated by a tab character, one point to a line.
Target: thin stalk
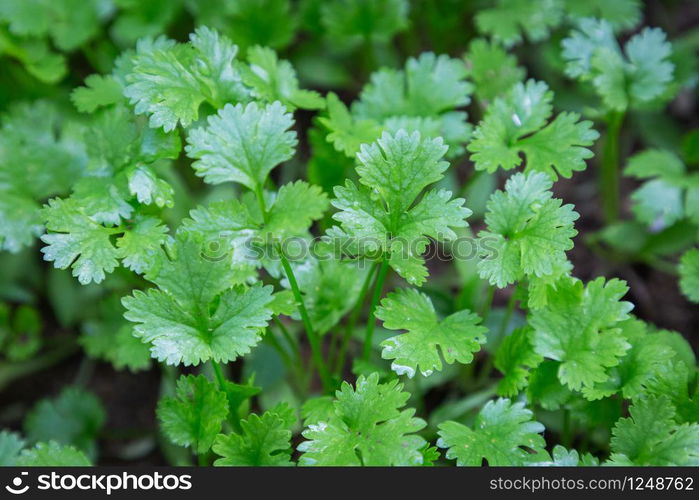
260	195
609	175
233	417
506	318
371	322
487	304
349	329
313	338
289	339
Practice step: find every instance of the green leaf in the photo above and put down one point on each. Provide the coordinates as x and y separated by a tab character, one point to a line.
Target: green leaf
52	454
501	435
77	241
346	132
99	91
242	144
271	79
383	215
264	440
528	231
510	20
194	416
620	14
148	188
140	247
194	315
367	427
492	69
514	358
295	207
428	86
348	23
170	81
641	74
11	445
516	125
651	437
74	418
457	336
567	458
689	274
580	328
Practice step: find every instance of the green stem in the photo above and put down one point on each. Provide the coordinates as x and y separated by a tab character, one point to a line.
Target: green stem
289	339
260	195
313	338
609	175
349	329
504	322
566	435
378	289
233	416
487	304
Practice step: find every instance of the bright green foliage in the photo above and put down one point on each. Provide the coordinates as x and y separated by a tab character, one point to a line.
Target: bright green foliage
271	79
668	193
514	357
492	69
560	457
650	436
242	144
642	363
620	14
11	445
457	336
528	231
510	20
501	435
194	315
252	22
367	427
263	441
579	327
330	289
422	97
639	75
170	81
351	22
99	91
689	274
398	168
194	416
69	23
74	418
52	454
517	124
38	159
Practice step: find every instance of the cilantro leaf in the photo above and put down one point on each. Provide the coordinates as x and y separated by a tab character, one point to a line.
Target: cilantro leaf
514	357
11	444
52	454
620	14
528	231
457	336
194	416
639	75
271	79
501	435
397	168
194	315
651	437
580	328
347	132
263	441
170	81
350	22
77	241
75	418
242	144
99	91
492	69
516	124
366	427
510	20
